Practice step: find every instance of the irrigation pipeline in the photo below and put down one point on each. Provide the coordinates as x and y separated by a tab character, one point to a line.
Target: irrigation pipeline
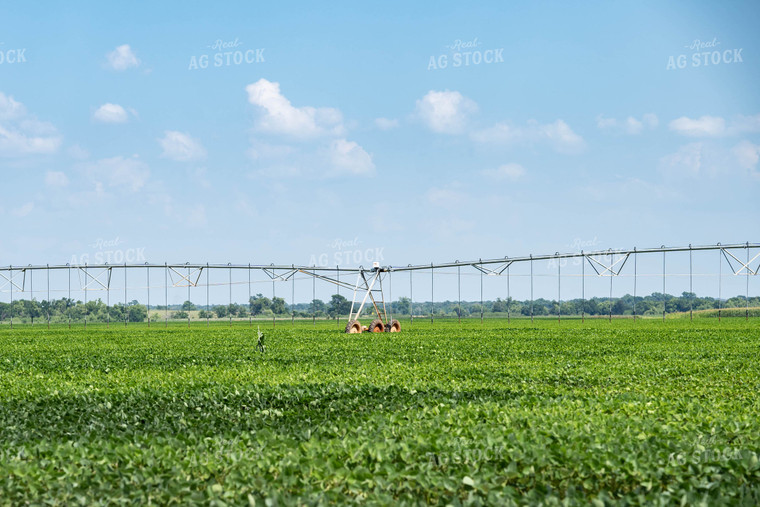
288	270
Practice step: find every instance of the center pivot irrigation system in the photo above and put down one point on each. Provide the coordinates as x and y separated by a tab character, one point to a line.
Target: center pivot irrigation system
370	284
368	293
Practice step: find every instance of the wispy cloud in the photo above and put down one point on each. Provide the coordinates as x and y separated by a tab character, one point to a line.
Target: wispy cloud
22	133
122	58
557	134
181	147
445	112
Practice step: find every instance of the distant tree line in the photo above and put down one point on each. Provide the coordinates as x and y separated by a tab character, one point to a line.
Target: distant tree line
64	309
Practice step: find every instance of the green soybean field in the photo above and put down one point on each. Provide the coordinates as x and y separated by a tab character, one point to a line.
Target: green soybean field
495	413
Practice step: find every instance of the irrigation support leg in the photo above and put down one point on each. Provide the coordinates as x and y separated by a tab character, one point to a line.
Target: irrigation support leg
531	288
720	281
68	303
481	296
509	301
390	294
47	270
293	299
459	294
746	314
85	295
108	305
635	278
432	293
559	289
612	274
31	291
664	302
691	286
583	287
411	299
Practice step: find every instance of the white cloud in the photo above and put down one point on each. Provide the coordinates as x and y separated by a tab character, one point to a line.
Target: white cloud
561	136
747	154
629	191
181	147
22	133
56	179
445	112
746	124
386	123
122	58
715	126
110	113
279	116
263	150
446	196
10	109
321	151
349	157
130	173
650	120
23	210
557	134
687	161
501	133
77	152
630	125
606	123
706	126
506	172
197	216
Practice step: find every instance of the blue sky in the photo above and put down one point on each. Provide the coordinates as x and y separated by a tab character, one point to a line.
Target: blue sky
338	130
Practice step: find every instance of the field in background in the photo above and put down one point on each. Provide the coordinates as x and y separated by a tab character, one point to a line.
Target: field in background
442	413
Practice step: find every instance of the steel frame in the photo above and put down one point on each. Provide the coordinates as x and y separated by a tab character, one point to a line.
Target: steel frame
369	284
501	264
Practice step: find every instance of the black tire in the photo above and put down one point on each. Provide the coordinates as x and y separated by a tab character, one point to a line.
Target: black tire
377	326
353	326
394	326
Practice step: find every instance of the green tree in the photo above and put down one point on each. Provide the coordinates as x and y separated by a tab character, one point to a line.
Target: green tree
258	304
403	306
338	306
137	313
278	306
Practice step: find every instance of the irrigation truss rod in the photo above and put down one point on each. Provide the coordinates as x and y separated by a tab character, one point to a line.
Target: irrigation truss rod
503	263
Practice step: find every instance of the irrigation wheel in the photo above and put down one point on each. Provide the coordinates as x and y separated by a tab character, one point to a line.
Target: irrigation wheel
393	326
353	326
377	326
